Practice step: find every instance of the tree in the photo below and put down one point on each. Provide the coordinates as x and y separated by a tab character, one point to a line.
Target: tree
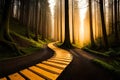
73	21
1	5
43	16
36	20
91	28
66	42
116	19
60	20
5	38
22	2
105	40
28	19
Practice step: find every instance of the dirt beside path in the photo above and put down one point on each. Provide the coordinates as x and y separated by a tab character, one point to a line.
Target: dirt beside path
81	68
13	65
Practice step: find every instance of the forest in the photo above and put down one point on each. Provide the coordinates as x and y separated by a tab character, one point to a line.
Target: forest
86	28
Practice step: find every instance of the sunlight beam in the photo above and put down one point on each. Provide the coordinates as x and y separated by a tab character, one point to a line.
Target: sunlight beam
82	15
52	10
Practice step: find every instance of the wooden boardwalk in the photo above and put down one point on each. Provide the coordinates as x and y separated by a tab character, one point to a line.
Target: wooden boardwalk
47	70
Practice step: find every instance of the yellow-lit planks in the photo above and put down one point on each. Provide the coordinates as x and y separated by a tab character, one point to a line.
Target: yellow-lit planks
55	64
30	75
59	62
44	73
50	68
16	76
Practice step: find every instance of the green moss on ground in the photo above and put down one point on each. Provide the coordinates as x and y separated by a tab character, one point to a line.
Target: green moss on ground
105	54
112	66
27	46
104	64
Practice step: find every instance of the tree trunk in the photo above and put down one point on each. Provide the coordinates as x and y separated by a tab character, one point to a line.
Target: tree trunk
28	19
36	21
43	19
116	19
21	10
91	25
105	40
73	21
66	42
61	21
112	12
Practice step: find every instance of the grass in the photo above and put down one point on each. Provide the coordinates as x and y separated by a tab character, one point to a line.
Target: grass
76	45
112	66
111	52
59	44
104	64
30	50
105	54
31	41
31	46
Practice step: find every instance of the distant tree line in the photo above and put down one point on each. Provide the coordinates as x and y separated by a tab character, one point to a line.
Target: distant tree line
36	16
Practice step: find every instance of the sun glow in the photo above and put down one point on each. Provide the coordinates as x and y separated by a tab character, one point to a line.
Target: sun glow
82	15
52	11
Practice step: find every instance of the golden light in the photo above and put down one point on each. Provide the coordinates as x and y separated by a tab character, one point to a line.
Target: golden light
82	15
52	10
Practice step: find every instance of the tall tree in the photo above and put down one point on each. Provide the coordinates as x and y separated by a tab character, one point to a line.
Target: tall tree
105	39
116	19
91	24
61	20
66	42
1	4
73	21
43	24
36	20
5	38
28	19
22	2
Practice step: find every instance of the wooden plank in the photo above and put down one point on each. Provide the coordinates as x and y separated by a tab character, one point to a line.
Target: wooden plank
44	73
55	64
50	68
16	76
69	58
60	62
66	60
30	75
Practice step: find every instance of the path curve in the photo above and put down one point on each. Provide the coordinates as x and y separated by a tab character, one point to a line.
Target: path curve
47	70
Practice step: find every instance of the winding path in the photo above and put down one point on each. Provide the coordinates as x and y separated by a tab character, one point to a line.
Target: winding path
47	70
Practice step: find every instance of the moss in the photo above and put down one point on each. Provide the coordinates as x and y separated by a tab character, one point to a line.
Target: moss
30	50
30	47
104	64
76	45
33	43
59	44
105	54
113	66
